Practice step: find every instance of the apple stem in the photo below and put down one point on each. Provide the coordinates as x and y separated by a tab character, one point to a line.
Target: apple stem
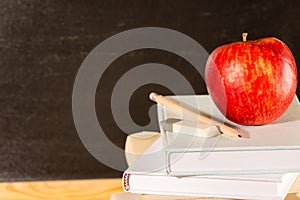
244	35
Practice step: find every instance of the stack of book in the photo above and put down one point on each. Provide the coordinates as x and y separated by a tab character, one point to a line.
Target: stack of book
261	165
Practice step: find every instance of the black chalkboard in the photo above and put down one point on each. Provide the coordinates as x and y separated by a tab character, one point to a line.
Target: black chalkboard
43	43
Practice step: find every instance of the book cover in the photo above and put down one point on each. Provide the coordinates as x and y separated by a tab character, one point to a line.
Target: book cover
272	148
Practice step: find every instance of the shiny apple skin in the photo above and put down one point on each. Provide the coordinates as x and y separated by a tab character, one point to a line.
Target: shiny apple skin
252	82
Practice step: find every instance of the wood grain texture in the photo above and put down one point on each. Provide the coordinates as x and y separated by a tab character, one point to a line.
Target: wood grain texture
65	190
97	189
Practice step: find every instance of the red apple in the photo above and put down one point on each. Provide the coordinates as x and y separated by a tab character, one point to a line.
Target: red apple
252	82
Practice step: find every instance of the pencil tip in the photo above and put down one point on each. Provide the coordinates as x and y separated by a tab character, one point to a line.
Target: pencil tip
239	136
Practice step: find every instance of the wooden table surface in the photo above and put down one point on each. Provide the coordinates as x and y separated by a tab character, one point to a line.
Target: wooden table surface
61	190
98	189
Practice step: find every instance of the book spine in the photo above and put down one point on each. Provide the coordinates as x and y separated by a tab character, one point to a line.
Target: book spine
214	162
125	182
196	186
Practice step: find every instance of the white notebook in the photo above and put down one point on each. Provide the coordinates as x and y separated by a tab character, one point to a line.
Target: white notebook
147	176
273	148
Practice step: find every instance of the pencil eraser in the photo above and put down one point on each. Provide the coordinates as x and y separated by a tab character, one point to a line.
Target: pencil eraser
152	96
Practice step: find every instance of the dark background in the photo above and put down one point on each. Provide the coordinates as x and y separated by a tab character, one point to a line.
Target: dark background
43	43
